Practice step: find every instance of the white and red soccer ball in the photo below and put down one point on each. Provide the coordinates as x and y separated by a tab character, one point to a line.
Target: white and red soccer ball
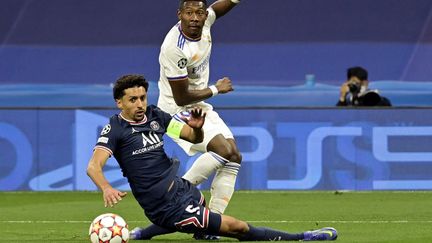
109	228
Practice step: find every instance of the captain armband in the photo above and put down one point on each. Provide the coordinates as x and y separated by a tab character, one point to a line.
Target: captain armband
174	128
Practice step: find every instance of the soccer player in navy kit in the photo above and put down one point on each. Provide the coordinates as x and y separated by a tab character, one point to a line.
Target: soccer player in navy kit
134	138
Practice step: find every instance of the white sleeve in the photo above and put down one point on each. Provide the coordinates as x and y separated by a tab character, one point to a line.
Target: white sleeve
211	18
174	63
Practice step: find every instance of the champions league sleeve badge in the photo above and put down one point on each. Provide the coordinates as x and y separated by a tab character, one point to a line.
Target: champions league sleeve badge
106	129
182	63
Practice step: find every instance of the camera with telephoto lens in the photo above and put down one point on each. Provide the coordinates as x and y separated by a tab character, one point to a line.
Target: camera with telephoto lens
354	88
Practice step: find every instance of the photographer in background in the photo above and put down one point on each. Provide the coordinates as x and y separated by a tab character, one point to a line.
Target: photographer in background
355	92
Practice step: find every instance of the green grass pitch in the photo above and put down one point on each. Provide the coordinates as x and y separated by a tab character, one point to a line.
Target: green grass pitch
358	216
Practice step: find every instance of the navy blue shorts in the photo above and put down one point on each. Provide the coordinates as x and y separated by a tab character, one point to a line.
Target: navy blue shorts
192	215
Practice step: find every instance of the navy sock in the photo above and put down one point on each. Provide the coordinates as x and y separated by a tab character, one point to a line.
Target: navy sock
267	234
154	230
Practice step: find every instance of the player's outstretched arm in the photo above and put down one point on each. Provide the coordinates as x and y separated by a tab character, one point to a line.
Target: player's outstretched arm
184	96
221	7
94	170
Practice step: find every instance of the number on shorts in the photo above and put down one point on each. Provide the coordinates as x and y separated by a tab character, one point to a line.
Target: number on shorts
196	210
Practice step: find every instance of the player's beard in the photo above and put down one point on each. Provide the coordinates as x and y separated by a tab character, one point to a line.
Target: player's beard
139	115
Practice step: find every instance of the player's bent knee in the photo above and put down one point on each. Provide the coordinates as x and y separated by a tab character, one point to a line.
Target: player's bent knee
231	154
236	157
224	148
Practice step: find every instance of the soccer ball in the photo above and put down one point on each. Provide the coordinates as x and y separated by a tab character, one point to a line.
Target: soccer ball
109	228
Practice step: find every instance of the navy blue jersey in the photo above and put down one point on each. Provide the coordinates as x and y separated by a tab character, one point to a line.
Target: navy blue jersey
138	148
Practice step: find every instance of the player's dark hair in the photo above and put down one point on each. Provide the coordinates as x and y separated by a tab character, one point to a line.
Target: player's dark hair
181	3
358	72
128	81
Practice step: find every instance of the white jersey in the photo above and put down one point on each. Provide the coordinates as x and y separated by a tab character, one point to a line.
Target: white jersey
182	57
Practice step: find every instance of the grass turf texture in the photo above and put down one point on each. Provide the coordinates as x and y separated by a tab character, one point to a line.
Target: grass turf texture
358	216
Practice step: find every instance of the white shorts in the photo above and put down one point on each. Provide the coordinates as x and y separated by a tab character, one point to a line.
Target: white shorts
213	126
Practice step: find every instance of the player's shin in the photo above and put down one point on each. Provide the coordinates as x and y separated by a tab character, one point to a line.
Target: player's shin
267	234
222	187
203	167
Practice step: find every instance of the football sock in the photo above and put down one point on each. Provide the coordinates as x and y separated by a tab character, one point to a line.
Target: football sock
153	230
267	234
203	167
222	187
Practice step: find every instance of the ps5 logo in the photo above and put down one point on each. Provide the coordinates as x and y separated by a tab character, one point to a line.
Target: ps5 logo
377	160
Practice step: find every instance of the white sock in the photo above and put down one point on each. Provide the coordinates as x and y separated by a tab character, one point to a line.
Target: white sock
203	167
222	187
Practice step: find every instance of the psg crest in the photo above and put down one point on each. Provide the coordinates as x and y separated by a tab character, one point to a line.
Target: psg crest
154	125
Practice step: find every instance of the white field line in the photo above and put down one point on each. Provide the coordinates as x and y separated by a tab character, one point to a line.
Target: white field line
250	221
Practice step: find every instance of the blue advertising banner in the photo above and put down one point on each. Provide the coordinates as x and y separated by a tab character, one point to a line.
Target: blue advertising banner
283	149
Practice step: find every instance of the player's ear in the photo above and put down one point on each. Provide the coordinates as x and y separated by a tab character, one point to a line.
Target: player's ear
179	14
119	103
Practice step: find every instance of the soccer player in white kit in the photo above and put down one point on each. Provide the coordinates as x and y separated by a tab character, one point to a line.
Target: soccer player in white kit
184	75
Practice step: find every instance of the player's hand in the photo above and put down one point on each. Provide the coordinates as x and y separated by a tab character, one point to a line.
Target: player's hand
112	196
196	119
224	85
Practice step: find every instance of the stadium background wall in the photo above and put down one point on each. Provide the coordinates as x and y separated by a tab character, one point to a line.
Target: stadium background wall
276	42
283	149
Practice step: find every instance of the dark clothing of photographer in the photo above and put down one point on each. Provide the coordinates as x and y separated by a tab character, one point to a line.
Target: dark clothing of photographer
368	98
355	92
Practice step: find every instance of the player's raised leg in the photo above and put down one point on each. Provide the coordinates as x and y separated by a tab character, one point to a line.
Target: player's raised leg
223	184
203	167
